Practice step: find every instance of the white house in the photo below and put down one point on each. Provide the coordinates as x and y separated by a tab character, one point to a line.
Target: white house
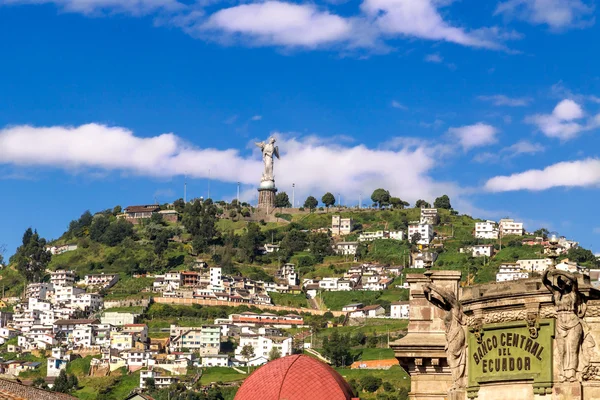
217	360
510	272
329	284
400	309
379	235
62	277
101	281
263	345
479	250
352	307
418	260
425	230
508	226
486	230
538	265
216	279
368	312
39	291
161	381
346	248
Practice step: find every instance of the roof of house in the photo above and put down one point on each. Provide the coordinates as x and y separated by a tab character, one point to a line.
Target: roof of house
76	321
144	208
400	303
372	307
12	390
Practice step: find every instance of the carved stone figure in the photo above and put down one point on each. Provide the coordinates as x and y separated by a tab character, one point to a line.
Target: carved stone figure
455	320
269	150
574	343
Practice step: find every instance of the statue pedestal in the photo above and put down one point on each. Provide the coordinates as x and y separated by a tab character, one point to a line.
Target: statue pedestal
458	394
567	391
266	198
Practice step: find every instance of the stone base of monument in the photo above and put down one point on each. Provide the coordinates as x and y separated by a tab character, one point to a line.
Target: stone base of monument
591	390
568	391
457	394
266	195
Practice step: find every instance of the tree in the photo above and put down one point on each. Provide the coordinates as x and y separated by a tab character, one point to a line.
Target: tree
274	354
247	352
319	245
581	255
337	349
543	232
369	383
282	200
398	203
179	205
250	241
294	241
199	220
414	239
381	197
99	228
311	203
442	202
422	204
150	384
32	258
161	242
61	383
117	232
328	199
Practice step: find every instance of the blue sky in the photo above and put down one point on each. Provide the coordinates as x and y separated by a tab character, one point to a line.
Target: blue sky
106	102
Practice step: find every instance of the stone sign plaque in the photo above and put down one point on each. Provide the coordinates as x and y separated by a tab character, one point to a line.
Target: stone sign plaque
511	351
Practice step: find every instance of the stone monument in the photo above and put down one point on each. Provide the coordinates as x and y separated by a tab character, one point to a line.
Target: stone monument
267	189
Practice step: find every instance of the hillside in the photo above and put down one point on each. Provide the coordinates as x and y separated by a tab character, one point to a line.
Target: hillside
231	235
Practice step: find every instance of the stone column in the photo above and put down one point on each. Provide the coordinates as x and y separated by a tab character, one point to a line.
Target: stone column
422	351
266	195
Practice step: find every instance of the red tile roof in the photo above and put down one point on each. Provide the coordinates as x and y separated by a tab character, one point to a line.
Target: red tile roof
296	377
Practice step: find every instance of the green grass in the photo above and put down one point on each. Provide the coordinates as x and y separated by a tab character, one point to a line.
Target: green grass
376	354
221	374
337	300
125	385
129	287
395	375
12	282
80	366
372	326
286	299
133	310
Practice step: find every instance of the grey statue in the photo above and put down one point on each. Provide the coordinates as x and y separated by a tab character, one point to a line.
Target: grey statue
572	334
455	320
269	150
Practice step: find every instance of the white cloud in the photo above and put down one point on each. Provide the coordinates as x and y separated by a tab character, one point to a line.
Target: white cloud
134	7
557	14
524	147
434	58
476	135
421	19
279	23
581	173
562	122
256	118
399	105
314	164
561	91
502	100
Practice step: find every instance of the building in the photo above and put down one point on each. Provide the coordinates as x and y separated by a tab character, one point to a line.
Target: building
288	272
352	307
297	377
135	214
479	250
271	248
216	280
138	331
341	226
508	226
263	345
87	301
429	216
62	277
486	230
160	380
419	261
169	215
373	311
535	265
510	272
118	318
218	360
210	340
40	291
346	248
424	230
400	309
101	281
379	235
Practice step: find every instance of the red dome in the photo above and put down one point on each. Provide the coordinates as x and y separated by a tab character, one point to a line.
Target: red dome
296	377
